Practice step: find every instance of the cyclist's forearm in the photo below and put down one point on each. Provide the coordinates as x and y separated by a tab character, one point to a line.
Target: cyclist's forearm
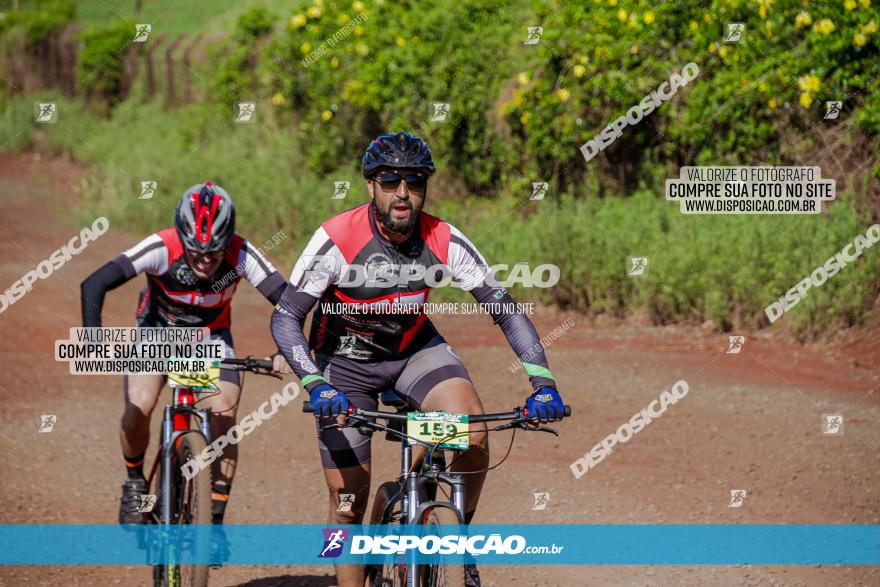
287	330
520	333
95	287
273	287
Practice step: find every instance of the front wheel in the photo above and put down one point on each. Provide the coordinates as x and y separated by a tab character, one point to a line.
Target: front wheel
390	575
441	575
190	504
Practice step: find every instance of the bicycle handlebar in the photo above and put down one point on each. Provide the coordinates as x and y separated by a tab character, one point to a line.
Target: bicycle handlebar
248	364
496	417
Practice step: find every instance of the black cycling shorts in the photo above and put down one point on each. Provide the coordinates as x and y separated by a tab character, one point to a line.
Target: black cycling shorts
411	378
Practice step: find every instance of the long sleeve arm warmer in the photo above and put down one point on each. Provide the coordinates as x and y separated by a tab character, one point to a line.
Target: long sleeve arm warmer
287	330
95	287
520	333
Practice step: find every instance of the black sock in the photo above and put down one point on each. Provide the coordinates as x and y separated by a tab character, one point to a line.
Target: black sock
219	499
134	465
469	516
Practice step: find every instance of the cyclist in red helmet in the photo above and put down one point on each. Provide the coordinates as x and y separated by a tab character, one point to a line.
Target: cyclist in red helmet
192	273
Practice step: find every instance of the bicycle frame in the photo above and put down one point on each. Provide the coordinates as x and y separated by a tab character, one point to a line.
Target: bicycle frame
411	482
413	510
176	422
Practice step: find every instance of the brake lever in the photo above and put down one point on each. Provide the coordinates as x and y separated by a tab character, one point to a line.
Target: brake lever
261	371
552	431
524	424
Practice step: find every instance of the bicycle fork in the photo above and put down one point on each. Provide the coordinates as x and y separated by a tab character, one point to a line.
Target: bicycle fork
176	423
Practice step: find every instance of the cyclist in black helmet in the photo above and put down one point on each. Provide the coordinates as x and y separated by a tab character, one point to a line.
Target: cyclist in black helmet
358	354
192	273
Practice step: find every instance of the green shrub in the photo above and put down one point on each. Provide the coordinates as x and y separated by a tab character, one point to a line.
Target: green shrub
252	24
39	19
102	59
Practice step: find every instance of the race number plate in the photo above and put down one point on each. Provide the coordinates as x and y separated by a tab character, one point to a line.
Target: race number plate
209	379
434	427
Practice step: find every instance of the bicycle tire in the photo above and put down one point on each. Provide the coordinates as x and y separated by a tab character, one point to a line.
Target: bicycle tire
192	506
385	575
441	575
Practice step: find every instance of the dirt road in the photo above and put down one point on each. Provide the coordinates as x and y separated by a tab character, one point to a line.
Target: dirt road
750	421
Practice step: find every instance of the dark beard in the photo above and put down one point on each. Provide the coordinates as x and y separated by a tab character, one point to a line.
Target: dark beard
398	227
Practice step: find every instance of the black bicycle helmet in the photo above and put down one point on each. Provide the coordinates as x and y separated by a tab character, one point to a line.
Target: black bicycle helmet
205	218
398	150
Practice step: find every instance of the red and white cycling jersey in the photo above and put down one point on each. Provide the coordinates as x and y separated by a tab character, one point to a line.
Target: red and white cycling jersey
175	296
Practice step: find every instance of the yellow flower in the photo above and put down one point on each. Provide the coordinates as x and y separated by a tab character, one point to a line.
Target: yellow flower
803	19
524	118
633	22
849	4
583	59
361	49
762	11
824	26
712	47
806	100
334	63
722	52
809	83
612	2
772	103
358	6
314	11
622	15
865	3
298	21
522	78
563	94
343	18
762	87
859	39
634	49
278	99
326	115
649	17
869	28
399	41
358	31
579	70
707	17
517	99
305	48
694	25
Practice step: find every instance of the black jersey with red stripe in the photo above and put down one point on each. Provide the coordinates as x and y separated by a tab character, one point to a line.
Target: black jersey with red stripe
368	295
175	296
378	316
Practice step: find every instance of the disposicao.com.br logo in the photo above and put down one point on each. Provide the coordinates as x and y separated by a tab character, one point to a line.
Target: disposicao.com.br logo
419	544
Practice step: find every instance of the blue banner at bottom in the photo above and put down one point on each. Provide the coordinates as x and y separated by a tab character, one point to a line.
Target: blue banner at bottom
650	544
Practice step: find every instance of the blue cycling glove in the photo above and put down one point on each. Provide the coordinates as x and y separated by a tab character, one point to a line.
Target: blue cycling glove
545	405
326	401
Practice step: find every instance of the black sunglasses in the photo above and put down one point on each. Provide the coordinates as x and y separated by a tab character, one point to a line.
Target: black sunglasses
391	181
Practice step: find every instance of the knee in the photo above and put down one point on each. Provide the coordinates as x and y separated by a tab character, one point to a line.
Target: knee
480	439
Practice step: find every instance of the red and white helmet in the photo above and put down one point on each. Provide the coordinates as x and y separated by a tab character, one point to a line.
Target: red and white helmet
205	218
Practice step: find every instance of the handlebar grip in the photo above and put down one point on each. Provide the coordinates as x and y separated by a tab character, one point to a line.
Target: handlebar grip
307	407
567	410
